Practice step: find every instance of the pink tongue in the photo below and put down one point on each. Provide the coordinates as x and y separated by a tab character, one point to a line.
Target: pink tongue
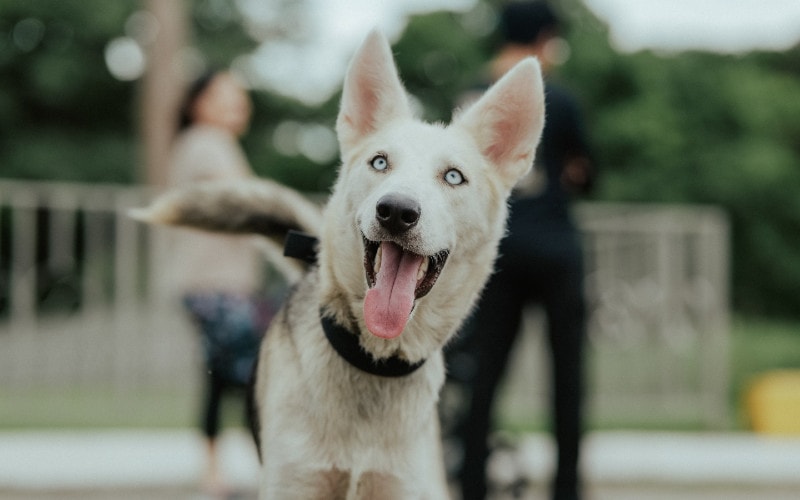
388	304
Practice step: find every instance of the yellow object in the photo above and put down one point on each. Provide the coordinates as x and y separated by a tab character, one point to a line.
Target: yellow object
773	403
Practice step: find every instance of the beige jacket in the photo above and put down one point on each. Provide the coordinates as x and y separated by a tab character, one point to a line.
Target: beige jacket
204	262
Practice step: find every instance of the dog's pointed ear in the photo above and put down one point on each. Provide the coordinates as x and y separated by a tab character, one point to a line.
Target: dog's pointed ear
507	120
373	94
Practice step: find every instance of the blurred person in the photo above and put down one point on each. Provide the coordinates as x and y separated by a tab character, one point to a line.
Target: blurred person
540	261
219	277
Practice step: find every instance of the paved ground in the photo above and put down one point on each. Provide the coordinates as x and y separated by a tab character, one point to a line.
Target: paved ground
128	465
595	493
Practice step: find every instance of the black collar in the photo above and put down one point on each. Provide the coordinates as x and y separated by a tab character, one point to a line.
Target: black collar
346	344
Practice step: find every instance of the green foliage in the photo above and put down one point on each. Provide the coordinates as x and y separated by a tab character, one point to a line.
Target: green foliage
294	170
218	33
62	115
704	128
692	127
438	61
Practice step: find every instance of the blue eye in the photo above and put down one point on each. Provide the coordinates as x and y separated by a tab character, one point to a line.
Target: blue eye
454	177
379	163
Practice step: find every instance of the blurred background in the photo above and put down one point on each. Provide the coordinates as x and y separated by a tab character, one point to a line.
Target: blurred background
691	236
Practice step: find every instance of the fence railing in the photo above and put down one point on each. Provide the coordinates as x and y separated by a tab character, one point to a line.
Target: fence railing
80	304
657	289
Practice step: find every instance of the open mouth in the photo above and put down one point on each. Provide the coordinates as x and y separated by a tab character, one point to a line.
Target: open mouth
427	273
396	278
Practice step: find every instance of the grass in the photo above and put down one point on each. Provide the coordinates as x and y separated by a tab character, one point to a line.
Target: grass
91	407
757	346
101	407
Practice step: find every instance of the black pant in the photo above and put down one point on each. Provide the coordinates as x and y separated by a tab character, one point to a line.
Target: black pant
535	266
216	387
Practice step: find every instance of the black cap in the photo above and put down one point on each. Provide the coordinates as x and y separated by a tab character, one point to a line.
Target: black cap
523	22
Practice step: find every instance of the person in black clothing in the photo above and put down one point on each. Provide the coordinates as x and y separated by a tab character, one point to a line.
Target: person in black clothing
540	260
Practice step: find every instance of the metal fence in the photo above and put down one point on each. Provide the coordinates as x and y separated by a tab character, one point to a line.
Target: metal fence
657	289
80	304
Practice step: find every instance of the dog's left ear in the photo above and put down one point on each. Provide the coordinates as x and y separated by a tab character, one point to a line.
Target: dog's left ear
372	94
507	120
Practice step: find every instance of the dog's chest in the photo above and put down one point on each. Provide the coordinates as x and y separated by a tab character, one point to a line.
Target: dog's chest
358	402
354	425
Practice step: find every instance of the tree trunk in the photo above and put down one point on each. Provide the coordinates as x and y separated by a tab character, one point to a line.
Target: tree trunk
161	88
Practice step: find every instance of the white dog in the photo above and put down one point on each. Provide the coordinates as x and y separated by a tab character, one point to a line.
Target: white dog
350	371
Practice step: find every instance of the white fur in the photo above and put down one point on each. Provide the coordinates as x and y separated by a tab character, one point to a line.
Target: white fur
321	414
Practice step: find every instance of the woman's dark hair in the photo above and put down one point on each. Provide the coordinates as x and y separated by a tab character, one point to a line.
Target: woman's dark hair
197	87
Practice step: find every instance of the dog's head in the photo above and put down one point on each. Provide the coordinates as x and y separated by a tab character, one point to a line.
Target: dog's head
418	209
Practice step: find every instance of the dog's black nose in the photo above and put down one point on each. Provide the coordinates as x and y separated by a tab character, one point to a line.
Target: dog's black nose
397	213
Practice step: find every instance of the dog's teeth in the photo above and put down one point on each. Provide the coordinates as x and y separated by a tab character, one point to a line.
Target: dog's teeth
378	256
423	269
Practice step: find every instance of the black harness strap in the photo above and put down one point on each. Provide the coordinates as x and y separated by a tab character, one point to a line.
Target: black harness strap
301	246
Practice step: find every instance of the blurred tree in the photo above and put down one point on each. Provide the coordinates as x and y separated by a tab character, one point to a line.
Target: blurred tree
689	127
62	114
703	128
161	91
439	59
